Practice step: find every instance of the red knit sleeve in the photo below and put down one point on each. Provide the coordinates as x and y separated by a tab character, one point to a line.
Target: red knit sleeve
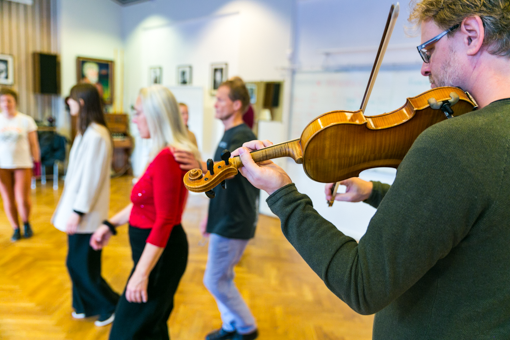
167	189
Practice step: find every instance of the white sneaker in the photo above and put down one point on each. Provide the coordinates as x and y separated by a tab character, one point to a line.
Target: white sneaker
100	323
78	315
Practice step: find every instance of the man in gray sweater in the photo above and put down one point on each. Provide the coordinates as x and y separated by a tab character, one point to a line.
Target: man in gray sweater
433	263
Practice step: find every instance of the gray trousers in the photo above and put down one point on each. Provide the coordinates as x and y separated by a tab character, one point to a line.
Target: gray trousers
224	254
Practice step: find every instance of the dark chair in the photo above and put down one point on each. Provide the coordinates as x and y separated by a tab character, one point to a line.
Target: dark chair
53	151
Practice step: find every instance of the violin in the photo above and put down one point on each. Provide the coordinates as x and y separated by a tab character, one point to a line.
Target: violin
340	144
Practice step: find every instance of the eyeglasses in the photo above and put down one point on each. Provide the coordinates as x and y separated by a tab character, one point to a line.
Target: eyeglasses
422	49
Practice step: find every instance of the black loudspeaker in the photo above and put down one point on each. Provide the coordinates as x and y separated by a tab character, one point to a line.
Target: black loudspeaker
276	95
272	95
46	73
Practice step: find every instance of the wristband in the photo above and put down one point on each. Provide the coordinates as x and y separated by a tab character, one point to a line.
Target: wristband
110	226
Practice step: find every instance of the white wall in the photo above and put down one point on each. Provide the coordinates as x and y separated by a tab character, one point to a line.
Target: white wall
261	40
91	28
339	33
251	36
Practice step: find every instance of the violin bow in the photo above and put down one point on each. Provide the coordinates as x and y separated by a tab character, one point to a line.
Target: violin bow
388	30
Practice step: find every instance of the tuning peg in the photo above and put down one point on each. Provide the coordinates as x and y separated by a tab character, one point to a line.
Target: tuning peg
224	185
225	155
211	194
210	166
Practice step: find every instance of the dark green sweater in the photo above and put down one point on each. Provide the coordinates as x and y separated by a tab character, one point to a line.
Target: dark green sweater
435	260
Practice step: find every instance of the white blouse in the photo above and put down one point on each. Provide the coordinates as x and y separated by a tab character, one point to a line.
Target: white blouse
14	144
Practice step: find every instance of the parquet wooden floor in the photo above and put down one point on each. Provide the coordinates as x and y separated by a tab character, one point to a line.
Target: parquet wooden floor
288	300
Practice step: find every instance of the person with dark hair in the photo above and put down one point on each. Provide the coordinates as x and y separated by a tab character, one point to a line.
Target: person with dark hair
433	263
19	149
84	205
229	232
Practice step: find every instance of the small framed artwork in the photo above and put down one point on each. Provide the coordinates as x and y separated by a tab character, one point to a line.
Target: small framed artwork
184	74
155	75
219	74
6	69
252	90
98	72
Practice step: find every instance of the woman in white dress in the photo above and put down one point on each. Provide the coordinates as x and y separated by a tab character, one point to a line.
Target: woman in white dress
19	149
84	205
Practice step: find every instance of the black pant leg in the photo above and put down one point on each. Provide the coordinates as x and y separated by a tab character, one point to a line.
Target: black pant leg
148	321
91	294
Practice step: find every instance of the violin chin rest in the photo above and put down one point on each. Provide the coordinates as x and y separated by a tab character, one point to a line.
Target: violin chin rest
434	104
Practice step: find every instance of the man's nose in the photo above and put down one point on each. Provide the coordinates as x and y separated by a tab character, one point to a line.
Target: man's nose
425	69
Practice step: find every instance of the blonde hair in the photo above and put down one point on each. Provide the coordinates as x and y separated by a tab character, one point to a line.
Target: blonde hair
164	121
495	15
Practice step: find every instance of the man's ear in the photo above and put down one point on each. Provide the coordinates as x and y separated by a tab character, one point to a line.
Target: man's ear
237	105
474	34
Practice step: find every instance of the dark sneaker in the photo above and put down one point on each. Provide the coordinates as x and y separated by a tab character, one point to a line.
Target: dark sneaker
220	334
27	230
250	336
16	235
105	320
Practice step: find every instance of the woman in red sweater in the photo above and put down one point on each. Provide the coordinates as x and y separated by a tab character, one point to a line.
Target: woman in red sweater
158	241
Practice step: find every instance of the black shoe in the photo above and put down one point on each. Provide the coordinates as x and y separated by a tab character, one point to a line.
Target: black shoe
250	336
220	334
16	235
27	230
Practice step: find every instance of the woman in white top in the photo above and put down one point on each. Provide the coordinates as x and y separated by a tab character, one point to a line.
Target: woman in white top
84	205
19	148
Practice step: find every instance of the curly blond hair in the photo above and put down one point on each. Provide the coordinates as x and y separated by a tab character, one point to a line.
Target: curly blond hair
495	15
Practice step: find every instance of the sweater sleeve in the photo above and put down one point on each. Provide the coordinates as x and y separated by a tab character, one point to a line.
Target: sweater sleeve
424	214
378	192
96	157
167	189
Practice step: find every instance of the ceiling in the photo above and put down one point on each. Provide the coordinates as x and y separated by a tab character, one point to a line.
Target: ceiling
129	2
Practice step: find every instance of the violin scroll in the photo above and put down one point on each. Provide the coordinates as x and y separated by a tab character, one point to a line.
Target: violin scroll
196	181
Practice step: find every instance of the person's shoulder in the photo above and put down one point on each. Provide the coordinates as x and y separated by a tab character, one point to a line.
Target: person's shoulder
27	121
243	132
165	156
455	131
25	117
97	132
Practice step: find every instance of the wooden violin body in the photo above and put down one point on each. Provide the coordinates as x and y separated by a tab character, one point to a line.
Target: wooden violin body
340	144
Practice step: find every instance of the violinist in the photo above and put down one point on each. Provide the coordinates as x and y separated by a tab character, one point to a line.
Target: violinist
433	263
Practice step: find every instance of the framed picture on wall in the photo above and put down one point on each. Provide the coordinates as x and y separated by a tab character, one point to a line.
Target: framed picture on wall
252	90
219	74
184	74
6	69
98	72
155	75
